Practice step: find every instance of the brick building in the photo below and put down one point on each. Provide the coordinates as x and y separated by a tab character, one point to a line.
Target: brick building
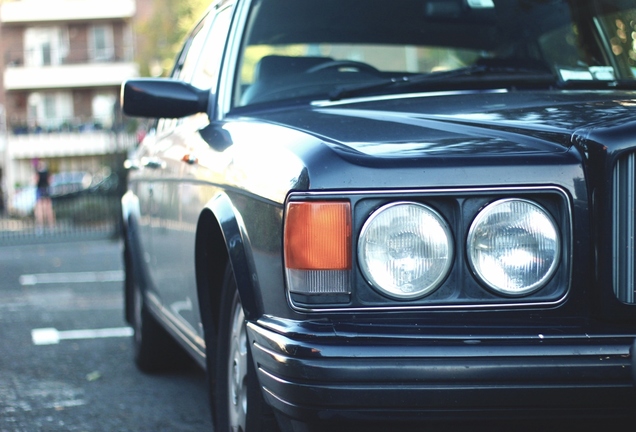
61	66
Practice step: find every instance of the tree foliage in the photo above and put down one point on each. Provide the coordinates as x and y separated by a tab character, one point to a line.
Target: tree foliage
160	35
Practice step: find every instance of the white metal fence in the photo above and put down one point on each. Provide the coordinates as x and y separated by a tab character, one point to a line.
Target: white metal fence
85	200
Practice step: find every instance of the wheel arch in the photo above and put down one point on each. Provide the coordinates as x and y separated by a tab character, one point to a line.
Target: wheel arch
129	207
130	214
221	241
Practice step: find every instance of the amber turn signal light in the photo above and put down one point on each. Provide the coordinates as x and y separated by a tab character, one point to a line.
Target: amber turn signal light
318	235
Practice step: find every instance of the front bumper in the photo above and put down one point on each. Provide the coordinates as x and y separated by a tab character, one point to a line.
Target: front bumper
314	373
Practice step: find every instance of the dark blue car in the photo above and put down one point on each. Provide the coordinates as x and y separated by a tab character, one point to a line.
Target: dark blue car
387	213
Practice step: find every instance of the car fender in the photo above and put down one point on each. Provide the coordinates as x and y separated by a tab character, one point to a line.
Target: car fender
130	214
233	235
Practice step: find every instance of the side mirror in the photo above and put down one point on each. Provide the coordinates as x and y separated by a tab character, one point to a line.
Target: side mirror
162	98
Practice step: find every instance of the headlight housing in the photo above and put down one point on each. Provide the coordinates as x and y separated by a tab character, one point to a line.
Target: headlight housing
514	246
405	250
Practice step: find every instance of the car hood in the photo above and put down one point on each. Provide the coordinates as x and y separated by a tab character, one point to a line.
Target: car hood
486	123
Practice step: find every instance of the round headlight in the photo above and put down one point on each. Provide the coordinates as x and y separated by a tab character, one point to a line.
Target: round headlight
514	246
405	250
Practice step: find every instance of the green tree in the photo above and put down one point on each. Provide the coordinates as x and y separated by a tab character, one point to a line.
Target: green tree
161	34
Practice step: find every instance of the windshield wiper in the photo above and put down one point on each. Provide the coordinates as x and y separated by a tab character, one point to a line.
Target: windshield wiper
442	76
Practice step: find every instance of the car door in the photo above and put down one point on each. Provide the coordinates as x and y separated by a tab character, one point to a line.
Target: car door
184	191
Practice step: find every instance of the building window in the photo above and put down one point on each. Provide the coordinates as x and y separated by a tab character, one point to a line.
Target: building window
50	111
102	47
104	110
45	46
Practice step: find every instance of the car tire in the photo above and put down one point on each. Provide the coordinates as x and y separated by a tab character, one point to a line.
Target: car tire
154	350
238	402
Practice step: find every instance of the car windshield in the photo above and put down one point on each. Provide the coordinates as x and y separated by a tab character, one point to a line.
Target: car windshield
313	49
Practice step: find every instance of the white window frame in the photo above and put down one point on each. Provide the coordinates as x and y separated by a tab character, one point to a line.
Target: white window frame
36	39
101	53
50	110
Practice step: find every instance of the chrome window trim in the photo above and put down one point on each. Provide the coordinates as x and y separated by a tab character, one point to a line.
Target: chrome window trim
230	59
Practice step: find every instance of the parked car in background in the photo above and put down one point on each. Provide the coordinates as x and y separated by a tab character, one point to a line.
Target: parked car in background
361	214
70	182
65	184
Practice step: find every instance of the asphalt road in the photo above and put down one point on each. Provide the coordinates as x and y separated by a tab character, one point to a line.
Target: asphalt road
66	352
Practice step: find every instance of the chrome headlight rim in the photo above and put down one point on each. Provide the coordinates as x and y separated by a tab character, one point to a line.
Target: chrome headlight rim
430	288
542	281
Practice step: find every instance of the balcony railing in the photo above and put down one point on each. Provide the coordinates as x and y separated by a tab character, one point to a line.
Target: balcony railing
60	57
22	126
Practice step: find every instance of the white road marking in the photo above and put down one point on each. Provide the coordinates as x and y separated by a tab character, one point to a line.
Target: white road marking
78	277
57	405
52	336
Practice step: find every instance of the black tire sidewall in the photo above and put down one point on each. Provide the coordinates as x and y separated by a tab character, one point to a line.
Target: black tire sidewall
155	351
260	417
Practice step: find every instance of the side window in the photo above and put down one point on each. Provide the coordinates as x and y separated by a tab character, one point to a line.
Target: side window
200	60
191	55
206	74
186	63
